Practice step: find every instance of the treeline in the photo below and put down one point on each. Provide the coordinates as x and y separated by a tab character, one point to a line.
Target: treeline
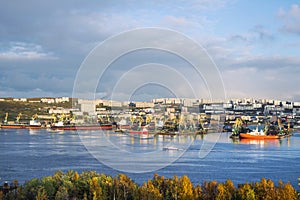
91	185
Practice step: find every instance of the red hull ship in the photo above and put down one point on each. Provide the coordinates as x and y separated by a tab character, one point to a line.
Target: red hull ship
144	132
83	127
13	126
258	137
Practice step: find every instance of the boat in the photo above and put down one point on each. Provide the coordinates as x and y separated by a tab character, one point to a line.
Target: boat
171	148
72	127
144	131
13	126
263	137
164	132
256	134
34	124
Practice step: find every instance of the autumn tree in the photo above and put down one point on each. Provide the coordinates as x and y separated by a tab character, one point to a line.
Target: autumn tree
197	192
124	187
42	194
62	194
95	189
221	192
286	191
246	192
185	188
149	192
106	183
174	187
209	189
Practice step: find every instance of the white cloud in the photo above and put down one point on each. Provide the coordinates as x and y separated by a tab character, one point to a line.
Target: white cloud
25	51
290	19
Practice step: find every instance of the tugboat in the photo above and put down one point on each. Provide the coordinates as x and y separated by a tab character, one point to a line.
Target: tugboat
269	132
259	134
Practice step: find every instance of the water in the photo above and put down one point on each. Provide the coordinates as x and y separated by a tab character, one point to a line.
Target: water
26	154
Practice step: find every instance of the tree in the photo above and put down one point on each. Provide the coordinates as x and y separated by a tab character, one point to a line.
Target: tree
75	176
41	195
286	191
95	189
230	189
48	183
149	191
31	187
174	187
185	188
246	192
124	187
221	192
265	189
197	191
209	189
62	193
106	183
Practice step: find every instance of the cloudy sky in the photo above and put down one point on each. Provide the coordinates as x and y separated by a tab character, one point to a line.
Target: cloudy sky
255	44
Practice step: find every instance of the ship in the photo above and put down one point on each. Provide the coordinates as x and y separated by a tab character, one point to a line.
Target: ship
34	123
16	125
143	131
72	127
258	135
13	126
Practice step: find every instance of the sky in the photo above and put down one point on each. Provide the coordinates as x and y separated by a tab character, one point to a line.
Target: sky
254	44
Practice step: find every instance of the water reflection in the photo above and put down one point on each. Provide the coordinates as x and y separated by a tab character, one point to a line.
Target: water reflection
31	154
261	143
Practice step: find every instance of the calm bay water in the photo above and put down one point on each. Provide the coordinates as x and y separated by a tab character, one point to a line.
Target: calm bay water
26	154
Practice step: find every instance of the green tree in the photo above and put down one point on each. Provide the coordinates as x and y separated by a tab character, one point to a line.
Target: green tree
174	187
124	188
48	183
31	188
82	185
95	189
42	194
246	192
106	183
62	194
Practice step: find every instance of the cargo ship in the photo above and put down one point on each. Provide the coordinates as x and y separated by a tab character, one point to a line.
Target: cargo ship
16	125
61	126
143	131
34	124
13	126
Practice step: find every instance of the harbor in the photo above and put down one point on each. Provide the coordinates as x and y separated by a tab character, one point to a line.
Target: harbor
33	153
168	137
166	116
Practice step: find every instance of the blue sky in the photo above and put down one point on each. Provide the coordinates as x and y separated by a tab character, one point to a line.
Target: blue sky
255	44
